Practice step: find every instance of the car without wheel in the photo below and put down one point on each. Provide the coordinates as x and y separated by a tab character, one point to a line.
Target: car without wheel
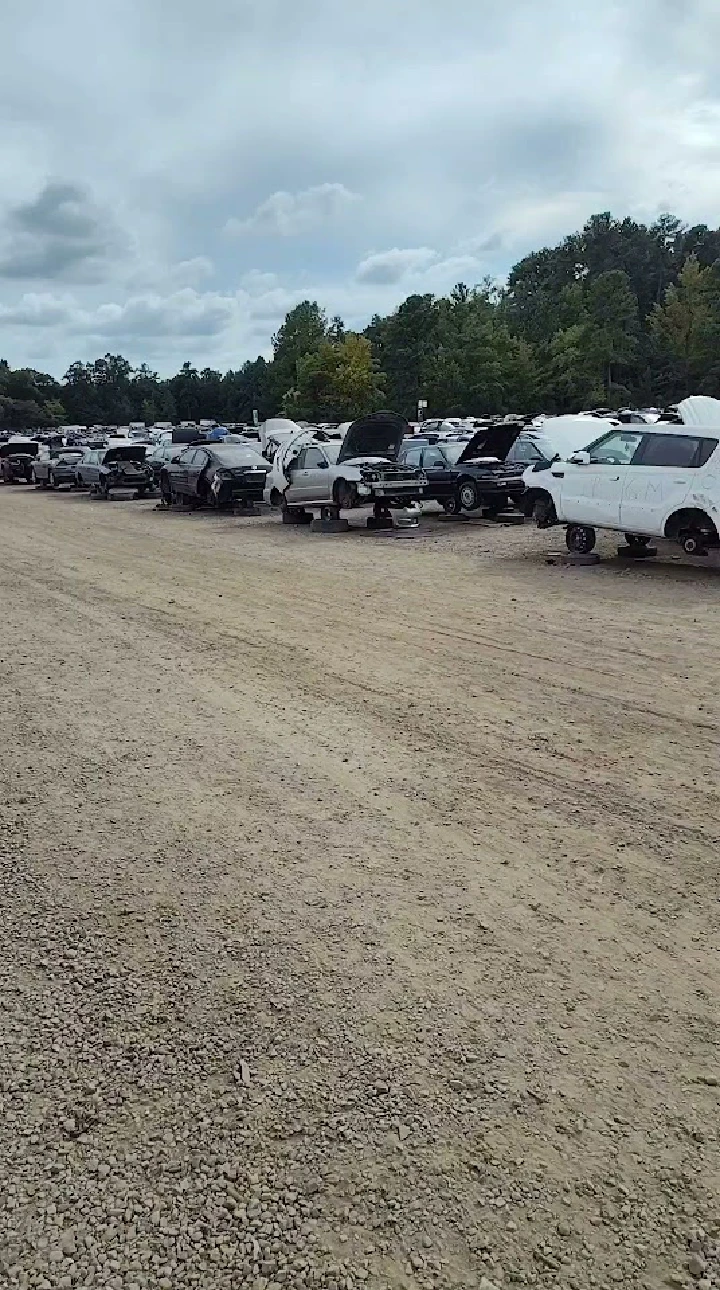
16	460
55	467
662	481
121	466
470	476
364	470
215	474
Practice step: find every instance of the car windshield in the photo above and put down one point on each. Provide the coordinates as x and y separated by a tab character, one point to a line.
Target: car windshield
69	457
233	454
455	451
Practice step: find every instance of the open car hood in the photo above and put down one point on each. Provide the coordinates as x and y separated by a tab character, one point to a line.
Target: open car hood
490	441
700	410
128	452
19	448
379	435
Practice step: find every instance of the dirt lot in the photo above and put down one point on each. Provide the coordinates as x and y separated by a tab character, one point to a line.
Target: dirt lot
359	908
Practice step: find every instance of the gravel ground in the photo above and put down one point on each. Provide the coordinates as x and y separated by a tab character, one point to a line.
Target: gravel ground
359	908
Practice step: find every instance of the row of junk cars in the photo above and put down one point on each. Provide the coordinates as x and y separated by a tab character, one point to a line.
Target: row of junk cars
648	474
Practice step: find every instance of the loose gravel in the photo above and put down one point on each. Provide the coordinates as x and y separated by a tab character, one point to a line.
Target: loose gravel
358	909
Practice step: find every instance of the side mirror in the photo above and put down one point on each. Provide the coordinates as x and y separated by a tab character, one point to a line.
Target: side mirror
323	465
580	459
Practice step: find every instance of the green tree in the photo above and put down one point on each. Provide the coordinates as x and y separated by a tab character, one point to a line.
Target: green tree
685	326
303	332
337	382
612	328
402	347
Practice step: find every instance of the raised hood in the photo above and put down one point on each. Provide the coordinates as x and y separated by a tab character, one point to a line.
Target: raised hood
126	452
379	435
700	410
19	448
491	441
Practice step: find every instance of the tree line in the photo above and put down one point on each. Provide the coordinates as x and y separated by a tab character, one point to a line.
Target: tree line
618	313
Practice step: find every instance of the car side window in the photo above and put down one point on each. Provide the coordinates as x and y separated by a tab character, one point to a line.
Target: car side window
313	458
523	450
432	457
677	450
617	449
413	456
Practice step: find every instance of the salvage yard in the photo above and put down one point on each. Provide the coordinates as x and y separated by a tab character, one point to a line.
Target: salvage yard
359	907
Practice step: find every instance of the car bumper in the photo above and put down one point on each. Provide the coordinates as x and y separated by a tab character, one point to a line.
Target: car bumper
240	491
127	481
397	488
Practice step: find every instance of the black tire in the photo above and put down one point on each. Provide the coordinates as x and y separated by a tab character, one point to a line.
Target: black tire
468	494
580	539
345	495
636	539
543	512
451	505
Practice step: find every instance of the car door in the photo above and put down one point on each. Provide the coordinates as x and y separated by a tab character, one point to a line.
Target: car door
591	488
90	467
196	465
179	471
663	474
298	476
442	477
315	481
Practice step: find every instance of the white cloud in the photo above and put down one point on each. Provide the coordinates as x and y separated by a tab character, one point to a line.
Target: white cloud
292	214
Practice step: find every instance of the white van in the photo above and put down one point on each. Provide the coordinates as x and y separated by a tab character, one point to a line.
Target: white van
648	481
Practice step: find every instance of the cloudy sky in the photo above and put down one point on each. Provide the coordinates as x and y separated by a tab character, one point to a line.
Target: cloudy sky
176	174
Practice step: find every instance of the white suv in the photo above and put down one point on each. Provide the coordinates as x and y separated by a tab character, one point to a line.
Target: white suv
660	481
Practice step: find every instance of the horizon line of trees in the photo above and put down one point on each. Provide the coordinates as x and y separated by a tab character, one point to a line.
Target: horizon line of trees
618	313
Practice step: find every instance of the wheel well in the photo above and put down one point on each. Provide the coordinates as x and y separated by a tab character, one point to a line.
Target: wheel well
340	485
690	518
533	495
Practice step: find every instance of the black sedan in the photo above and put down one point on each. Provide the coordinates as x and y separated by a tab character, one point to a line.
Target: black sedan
473	475
215	474
16	460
